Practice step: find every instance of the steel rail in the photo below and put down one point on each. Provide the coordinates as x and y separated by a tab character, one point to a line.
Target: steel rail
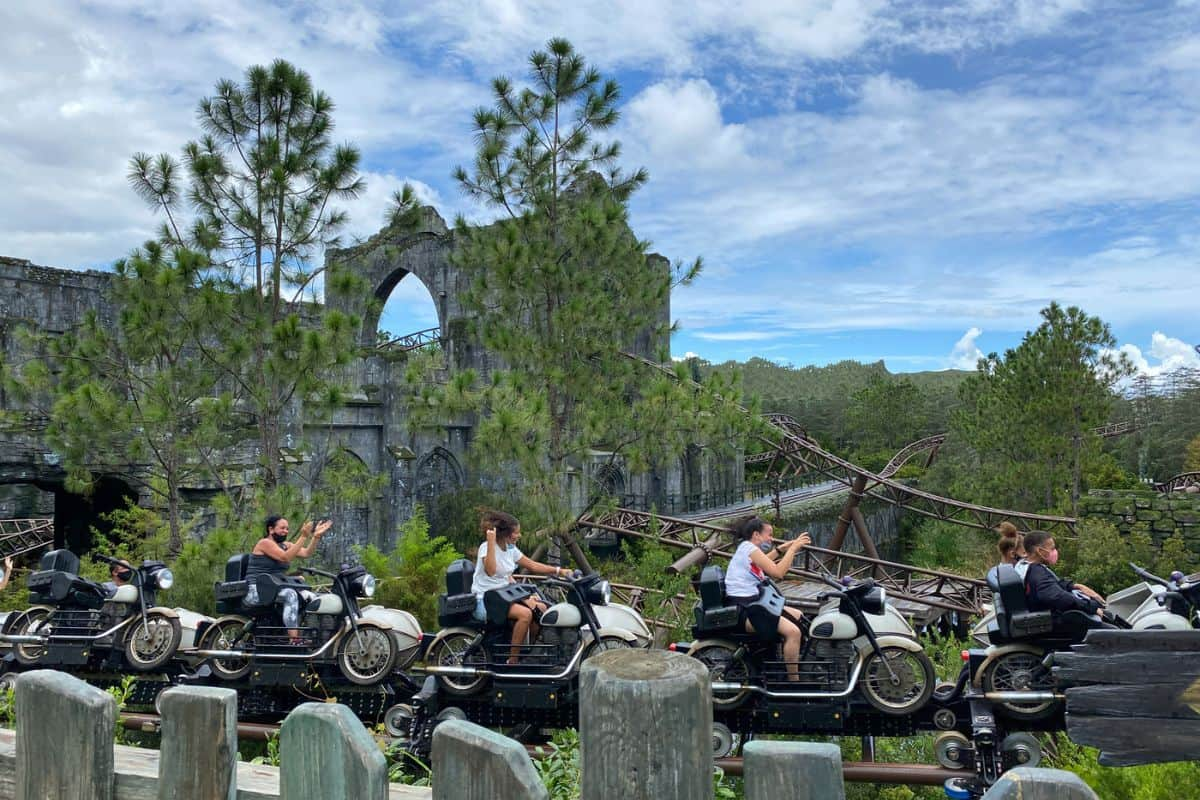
1180	482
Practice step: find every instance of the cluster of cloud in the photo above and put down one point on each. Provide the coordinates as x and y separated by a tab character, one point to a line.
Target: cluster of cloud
1170	353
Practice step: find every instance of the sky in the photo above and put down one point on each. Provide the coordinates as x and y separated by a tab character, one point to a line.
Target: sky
865	179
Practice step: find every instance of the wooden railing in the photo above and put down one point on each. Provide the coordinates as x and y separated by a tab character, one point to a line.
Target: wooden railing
645	718
19	536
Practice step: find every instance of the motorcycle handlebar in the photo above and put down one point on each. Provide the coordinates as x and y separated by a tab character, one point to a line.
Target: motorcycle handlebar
1148	576
315	571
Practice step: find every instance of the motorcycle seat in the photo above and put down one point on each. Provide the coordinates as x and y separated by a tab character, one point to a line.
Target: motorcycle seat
713	613
455	610
1014	620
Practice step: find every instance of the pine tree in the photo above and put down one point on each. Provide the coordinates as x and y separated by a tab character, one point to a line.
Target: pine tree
560	289
263	181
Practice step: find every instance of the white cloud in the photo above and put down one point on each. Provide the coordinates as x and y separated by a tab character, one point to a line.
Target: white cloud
737	336
966	354
685	356
1169	353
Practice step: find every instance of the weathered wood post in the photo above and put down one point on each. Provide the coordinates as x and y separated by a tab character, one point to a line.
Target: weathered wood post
325	753
473	763
64	738
198	754
795	770
645	726
1024	783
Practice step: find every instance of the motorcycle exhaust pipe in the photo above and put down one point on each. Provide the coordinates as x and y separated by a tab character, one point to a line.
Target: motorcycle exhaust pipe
725	686
458	672
214	653
18	638
1022	697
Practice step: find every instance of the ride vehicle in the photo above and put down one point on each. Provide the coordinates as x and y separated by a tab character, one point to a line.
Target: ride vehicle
1013	662
76	622
337	639
857	647
467	653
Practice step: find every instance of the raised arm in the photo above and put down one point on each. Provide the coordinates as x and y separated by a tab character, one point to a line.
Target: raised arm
304	551
529	565
777	569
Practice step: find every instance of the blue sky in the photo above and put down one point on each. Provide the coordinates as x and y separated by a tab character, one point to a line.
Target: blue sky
865	179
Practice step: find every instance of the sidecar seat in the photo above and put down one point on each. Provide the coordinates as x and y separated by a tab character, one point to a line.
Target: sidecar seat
231	591
712	612
57	581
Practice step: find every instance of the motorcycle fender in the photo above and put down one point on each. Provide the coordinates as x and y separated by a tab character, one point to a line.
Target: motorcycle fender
995	652
619	633
16	615
888	640
709	642
442	634
166	612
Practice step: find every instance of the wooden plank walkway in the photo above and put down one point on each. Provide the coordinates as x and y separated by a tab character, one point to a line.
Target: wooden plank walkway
137	775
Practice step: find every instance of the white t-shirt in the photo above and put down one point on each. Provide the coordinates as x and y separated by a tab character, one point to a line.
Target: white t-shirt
506	565
742	577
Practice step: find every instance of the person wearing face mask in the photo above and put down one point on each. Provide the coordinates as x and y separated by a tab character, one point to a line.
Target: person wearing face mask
1044	590
273	554
120	573
750	566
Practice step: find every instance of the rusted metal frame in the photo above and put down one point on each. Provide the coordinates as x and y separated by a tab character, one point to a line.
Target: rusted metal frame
928	444
1180	481
414	341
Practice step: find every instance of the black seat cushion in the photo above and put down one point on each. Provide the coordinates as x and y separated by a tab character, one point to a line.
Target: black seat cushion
712	587
1014	620
459	576
235	567
61	560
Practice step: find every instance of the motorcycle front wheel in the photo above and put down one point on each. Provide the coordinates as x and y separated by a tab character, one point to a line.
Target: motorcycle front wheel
222	635
152	641
898	683
366	656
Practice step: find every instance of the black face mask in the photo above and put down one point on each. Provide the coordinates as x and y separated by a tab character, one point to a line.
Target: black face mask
279	538
124	575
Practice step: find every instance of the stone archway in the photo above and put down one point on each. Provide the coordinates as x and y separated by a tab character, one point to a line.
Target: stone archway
609	481
438	473
351	518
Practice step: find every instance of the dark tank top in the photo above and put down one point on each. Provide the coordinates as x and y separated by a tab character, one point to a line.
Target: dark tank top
260	565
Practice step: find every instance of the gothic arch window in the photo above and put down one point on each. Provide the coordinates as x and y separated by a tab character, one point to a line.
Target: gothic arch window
438	473
609	481
351	518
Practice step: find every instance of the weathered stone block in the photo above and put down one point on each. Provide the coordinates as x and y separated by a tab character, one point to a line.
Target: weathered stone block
1148	516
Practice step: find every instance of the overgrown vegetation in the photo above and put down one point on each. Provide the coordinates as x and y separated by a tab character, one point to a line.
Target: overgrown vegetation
413	574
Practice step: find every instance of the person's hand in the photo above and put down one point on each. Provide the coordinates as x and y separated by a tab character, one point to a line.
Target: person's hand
8	565
490	535
306	528
803	540
322	528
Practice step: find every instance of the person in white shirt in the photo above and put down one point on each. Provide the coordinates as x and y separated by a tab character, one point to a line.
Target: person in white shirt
750	565
498	558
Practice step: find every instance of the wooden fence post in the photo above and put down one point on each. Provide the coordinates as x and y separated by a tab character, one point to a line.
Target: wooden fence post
473	763
64	738
325	753
795	770
1024	783
645	726
198	754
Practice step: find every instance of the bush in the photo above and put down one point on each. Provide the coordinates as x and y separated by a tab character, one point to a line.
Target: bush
411	576
1099	556
1150	782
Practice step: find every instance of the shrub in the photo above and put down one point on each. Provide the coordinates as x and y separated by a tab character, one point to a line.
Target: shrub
411	576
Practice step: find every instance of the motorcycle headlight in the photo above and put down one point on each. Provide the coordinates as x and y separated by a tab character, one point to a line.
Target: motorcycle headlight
165	579
366	585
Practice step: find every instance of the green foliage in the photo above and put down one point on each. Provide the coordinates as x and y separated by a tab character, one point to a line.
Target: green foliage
121	694
946	546
404	767
645	563
411	576
886	414
1103	471
1191	455
8	707
1027	416
558	765
1150	782
1099	556
270	755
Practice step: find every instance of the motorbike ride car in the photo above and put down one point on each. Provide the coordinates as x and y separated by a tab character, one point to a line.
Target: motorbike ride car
468	652
77	622
366	649
1017	641
857	646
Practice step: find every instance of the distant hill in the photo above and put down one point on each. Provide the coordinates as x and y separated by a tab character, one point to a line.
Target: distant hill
818	396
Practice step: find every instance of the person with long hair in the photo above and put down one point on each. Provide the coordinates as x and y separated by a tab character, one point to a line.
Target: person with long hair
1011	544
750	566
498	558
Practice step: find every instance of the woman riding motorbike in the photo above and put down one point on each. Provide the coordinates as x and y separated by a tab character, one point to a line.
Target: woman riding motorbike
273	554
748	568
1011	544
495	563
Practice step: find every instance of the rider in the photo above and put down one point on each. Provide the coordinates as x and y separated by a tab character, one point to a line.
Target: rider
750	565
497	560
8	571
1045	591
1011	544
272	555
121	573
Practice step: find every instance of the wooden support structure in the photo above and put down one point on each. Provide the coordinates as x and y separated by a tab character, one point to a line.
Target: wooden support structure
1135	695
473	763
329	756
198	755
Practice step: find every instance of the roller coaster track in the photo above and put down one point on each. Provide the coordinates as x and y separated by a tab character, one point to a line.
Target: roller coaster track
19	536
413	341
1179	483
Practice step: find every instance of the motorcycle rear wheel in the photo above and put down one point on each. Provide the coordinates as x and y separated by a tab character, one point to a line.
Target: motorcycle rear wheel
717	657
28	624
1020	671
152	642
366	657
220	636
913	686
449	651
